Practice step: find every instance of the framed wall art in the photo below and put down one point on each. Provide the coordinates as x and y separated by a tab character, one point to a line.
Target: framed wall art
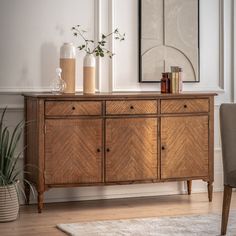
168	36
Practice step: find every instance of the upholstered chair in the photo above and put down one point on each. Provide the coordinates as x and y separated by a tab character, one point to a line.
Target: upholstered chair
228	138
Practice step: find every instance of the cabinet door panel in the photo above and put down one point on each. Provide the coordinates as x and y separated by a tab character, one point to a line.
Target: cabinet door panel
132	149
184	142
73	151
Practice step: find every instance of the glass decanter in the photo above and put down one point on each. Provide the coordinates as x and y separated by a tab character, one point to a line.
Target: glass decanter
58	85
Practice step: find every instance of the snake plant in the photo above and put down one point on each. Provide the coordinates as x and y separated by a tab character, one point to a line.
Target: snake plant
9	171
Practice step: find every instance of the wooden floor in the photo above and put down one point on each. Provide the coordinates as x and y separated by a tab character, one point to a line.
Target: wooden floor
32	223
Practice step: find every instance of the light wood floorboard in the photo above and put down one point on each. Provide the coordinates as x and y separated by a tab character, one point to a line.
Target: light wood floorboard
32	223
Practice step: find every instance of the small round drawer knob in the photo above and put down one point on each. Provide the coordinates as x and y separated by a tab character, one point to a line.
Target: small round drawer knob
98	150
185	106
131	107
108	150
73	108
163	148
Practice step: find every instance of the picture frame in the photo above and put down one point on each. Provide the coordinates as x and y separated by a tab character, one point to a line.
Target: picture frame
168	36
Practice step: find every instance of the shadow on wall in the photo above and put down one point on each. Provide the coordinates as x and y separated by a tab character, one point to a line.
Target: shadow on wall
49	63
24	79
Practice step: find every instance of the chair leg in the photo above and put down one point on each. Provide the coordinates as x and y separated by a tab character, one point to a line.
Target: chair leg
225	208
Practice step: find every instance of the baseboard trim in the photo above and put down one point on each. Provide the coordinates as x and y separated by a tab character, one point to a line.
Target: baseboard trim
122	196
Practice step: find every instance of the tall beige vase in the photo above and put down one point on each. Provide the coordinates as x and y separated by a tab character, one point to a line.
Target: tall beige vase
9	203
68	66
89	74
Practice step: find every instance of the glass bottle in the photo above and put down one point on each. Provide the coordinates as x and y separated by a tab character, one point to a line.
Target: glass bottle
165	83
58	85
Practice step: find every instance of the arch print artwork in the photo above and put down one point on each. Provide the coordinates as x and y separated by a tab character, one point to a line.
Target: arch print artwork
168	36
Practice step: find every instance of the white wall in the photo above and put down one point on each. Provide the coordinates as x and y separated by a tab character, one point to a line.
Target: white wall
32	32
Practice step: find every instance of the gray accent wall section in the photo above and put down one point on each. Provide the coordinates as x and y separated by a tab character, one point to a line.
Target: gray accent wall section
169	37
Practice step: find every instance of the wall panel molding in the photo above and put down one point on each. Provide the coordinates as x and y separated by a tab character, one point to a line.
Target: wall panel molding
97	33
221	46
112	46
234	49
13	108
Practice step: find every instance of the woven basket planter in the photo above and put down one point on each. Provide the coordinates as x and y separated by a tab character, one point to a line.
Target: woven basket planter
9	204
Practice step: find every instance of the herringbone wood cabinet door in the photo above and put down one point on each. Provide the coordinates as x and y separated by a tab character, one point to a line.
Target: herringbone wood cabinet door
184	144
73	151
131	149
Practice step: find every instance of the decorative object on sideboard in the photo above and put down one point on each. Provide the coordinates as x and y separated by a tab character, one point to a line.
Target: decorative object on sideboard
91	49
58	85
172	82
165	83
68	66
89	73
177	76
9	171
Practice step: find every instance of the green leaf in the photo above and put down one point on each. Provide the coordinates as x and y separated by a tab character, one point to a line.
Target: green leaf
15	138
1	123
4	146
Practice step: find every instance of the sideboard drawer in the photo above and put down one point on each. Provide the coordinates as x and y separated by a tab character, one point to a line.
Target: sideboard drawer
72	108
184	105
130	107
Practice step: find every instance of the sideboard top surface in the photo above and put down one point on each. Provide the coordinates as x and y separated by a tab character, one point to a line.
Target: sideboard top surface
118	95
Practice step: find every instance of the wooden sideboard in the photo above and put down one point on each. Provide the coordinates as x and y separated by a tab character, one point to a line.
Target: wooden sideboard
118	138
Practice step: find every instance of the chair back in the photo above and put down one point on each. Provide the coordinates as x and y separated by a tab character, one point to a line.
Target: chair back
228	138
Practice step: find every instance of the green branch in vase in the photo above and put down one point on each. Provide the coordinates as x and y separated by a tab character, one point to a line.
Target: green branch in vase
98	49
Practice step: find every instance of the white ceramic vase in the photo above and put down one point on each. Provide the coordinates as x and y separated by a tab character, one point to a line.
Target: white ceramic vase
68	66
89	73
9	203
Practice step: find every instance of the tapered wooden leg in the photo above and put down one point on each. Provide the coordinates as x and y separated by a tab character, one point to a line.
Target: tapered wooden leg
27	193
225	208
189	186
40	202
210	191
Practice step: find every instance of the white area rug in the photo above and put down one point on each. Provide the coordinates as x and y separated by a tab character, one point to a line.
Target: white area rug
199	225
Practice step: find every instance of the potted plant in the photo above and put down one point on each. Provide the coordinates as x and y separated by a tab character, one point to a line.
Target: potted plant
9	171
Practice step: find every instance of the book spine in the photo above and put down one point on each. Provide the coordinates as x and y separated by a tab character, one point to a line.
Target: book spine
171	82
173	90
177	89
180	81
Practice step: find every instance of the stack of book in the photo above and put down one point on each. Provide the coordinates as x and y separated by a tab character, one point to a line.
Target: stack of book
172	82
176	83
